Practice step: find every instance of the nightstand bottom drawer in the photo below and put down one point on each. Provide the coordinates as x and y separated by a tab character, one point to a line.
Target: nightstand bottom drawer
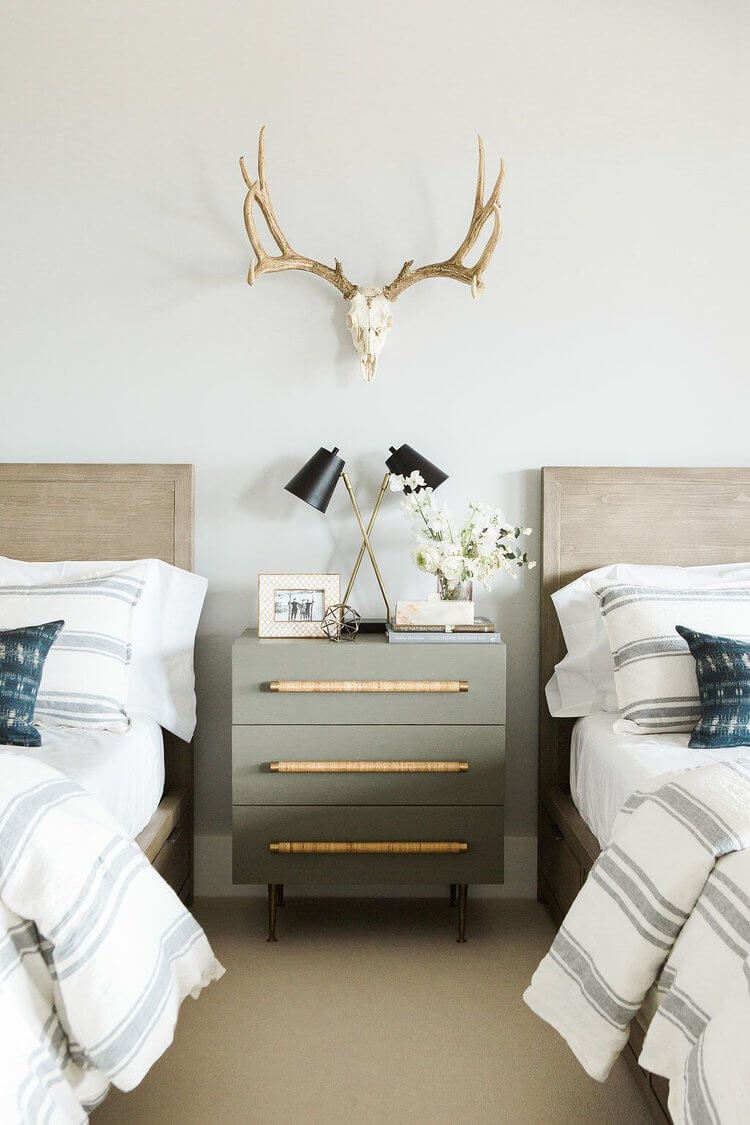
445	828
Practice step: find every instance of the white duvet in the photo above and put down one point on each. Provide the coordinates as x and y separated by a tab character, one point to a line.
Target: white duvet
667	900
96	951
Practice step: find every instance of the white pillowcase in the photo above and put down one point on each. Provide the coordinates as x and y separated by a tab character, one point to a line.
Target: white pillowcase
165	621
657	687
85	678
584	680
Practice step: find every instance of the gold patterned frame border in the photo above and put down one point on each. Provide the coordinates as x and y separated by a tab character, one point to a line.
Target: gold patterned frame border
330	584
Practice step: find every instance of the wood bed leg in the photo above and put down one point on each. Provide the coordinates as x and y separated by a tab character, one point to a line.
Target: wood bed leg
453	894
463	890
273	891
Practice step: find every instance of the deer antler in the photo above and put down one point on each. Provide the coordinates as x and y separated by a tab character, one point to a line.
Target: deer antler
454	266
288	259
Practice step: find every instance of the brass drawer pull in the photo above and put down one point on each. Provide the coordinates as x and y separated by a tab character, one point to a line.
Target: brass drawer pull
369	767
436	686
360	847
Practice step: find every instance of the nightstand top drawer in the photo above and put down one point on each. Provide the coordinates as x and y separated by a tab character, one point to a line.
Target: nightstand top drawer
366	681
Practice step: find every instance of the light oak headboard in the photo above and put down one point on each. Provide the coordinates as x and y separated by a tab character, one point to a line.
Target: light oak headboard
594	517
52	512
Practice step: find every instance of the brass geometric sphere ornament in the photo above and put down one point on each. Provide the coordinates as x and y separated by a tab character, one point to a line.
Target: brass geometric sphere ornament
341	623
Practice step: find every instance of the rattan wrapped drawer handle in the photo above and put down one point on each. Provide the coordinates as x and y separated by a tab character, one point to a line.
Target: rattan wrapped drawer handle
369	767
363	847
404	686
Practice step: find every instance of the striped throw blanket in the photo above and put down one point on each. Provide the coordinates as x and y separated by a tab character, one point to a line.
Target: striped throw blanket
96	951
668	900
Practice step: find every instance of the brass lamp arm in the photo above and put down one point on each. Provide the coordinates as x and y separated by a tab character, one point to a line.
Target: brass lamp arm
370	525
366	541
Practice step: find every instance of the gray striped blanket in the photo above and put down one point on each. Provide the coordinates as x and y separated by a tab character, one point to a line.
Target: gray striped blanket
667	901
96	951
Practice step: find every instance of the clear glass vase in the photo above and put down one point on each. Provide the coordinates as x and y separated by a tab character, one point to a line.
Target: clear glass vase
456	592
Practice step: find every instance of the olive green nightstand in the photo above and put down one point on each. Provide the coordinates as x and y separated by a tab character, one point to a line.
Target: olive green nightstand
367	763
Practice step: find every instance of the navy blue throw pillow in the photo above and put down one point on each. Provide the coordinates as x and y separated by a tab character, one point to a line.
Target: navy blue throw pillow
722	665
22	656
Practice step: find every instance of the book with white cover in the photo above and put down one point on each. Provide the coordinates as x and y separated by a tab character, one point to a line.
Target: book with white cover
395	636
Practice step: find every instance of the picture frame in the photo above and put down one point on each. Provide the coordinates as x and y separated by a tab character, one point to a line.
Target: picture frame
293	605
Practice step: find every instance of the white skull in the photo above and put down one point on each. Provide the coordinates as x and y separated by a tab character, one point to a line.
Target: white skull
369	320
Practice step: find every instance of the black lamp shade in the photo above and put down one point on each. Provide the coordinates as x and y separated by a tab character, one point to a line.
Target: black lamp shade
317	479
404	461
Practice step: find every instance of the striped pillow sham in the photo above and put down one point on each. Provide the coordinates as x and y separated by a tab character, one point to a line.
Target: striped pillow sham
85	678
657	688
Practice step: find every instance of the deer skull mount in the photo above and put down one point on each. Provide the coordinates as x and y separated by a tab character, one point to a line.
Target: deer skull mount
370	318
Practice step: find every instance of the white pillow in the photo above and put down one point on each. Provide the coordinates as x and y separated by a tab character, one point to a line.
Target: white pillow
657	688
584	680
165	621
85	678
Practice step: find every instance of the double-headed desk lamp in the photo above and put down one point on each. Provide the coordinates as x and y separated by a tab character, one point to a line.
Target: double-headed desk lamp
317	479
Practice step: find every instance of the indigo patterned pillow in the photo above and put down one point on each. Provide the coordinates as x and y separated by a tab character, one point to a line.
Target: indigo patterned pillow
22	656
722	665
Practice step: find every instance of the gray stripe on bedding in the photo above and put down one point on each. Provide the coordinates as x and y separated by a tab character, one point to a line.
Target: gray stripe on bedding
650	914
84	708
676	1022
22	816
719	930
699	1105
616	596
683	822
18	942
650	649
96	869
710	824
99	644
734	841
667	979
734	918
577	963
718	876
608	889
121	589
684	1013
106	900
114	1052
33	1097
635	800
615	849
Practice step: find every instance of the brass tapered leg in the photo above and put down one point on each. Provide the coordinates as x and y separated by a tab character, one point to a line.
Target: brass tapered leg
273	892
453	894
463	890
280	894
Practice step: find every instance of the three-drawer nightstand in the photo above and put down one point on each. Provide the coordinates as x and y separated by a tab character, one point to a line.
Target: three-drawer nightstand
367	763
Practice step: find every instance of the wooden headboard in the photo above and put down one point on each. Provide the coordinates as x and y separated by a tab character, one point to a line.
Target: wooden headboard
54	512
594	517
107	512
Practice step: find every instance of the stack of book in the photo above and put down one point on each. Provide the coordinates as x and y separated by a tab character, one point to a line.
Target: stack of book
481	632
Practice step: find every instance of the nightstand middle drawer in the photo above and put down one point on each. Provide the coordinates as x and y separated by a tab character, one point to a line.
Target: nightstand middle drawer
368	765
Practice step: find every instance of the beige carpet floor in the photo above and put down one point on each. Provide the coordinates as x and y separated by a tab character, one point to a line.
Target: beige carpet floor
369	1011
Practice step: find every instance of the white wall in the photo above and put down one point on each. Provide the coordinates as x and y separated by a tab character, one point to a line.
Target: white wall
613	328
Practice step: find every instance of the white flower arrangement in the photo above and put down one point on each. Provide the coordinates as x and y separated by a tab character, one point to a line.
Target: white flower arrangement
483	545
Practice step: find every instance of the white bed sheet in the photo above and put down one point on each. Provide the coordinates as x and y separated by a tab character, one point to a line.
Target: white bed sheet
123	771
606	767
